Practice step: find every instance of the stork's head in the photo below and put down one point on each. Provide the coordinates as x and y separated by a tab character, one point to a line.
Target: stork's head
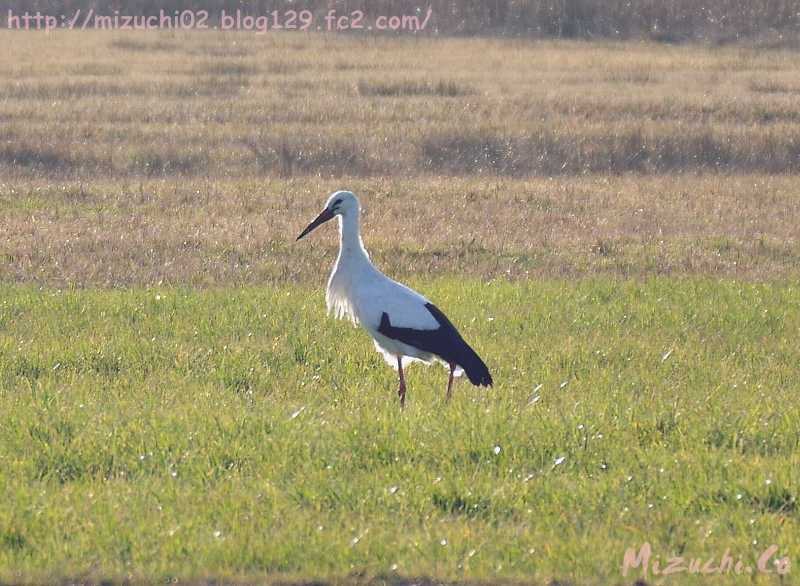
340	203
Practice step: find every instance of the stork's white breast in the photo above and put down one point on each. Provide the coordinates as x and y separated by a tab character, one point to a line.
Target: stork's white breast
366	295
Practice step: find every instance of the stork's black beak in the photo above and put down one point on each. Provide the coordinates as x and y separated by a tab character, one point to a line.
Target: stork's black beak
318	221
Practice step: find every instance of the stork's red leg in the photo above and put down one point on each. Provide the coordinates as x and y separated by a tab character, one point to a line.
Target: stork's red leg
401	390
450	382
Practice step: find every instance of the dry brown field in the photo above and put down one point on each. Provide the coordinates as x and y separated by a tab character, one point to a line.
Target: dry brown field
146	158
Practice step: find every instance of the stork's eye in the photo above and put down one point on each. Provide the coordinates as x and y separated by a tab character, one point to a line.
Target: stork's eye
336	204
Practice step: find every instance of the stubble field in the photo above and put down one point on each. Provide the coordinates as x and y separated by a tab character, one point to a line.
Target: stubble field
613	227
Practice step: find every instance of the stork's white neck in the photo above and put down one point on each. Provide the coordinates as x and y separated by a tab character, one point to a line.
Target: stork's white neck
350	244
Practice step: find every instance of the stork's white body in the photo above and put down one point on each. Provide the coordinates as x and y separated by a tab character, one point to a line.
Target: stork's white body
403	324
358	291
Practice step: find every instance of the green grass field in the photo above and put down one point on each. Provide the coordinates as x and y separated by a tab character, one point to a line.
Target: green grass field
238	433
612	225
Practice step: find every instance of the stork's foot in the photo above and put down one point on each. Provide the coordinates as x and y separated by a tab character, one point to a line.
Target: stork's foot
450	382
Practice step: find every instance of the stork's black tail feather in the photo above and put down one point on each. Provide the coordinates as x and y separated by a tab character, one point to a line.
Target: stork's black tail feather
446	343
459	352
476	370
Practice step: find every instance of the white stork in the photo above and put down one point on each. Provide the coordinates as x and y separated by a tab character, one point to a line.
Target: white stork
403	324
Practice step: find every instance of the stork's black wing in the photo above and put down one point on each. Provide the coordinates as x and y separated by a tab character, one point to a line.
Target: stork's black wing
445	342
